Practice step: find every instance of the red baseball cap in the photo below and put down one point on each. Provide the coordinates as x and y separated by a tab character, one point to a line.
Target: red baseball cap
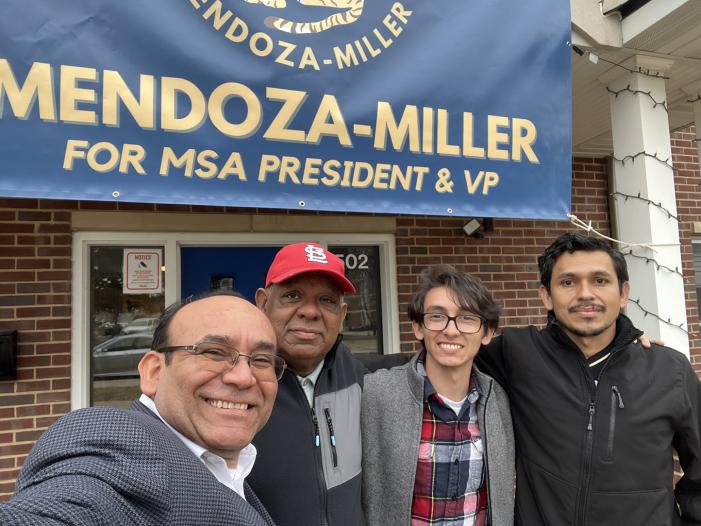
299	258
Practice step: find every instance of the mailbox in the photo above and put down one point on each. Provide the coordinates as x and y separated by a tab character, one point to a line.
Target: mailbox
8	355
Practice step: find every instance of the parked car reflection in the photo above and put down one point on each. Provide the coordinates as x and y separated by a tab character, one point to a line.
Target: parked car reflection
141	325
119	357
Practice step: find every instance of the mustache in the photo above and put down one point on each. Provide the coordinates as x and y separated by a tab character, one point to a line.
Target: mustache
581	306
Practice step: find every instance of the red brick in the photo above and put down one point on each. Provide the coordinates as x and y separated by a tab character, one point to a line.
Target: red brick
9	202
34	263
60	311
60	409
60	359
33	336
25	436
51	372
16	423
23	325
52	348
15	449
53	299
54	228
33	240
62	240
33	216
17	275
24	362
53	275
17	399
54	251
33	312
17	300
33	410
55	203
61	287
17	228
60	263
33	287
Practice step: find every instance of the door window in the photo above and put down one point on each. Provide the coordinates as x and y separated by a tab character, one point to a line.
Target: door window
362	330
122	322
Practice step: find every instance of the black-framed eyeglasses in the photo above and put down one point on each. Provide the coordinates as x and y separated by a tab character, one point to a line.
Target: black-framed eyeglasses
218	358
465	323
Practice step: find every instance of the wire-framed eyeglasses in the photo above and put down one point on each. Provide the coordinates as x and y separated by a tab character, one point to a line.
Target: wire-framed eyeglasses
465	323
217	358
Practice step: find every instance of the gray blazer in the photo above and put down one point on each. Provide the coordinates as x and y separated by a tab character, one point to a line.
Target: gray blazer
391	414
109	467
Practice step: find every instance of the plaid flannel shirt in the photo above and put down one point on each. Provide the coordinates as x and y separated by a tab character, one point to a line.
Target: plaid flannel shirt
450	487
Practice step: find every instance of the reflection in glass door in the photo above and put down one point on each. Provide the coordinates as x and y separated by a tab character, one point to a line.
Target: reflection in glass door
126	299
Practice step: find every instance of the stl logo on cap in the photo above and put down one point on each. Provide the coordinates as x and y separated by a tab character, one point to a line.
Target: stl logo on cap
300	258
316	254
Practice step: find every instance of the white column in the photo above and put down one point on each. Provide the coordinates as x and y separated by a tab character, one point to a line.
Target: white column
641	170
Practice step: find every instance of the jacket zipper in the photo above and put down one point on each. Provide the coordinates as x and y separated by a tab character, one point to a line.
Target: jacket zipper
583	499
318	458
586	472
616	403
332	437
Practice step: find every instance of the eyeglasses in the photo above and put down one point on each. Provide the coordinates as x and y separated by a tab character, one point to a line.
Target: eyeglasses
465	323
219	359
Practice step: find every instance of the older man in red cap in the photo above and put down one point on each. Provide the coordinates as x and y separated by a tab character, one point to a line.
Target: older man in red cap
307	472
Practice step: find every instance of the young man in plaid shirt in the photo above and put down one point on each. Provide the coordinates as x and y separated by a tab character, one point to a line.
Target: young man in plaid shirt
437	433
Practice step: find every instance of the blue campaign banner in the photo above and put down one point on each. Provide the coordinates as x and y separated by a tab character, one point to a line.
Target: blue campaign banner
437	107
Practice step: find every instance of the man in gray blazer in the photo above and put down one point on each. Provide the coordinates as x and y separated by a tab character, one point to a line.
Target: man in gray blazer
179	456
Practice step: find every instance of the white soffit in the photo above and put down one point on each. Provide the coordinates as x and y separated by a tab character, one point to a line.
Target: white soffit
652	14
608	6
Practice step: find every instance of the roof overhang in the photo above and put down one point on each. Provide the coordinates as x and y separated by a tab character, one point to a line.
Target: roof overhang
658	29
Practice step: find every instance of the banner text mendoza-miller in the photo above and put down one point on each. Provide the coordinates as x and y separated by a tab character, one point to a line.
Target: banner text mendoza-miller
436	107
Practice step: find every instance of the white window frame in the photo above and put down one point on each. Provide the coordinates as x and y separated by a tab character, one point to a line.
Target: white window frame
172	242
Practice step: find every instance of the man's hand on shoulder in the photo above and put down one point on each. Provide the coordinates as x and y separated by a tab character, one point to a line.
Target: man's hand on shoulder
647	342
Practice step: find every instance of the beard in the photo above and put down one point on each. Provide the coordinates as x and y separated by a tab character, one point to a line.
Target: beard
585	332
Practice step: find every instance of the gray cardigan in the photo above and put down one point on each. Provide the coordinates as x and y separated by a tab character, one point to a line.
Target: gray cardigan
392	409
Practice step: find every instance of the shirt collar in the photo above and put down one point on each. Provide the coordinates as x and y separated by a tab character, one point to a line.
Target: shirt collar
314	375
473	392
247	455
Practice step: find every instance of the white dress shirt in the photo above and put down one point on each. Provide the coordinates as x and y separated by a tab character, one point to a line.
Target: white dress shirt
308	382
231	477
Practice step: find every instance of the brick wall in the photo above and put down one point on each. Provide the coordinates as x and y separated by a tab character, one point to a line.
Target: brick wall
688	190
35	260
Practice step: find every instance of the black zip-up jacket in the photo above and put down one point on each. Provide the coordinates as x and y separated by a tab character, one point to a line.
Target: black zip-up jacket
307	472
599	455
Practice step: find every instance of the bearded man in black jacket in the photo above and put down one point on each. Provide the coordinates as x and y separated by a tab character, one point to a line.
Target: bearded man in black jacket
596	417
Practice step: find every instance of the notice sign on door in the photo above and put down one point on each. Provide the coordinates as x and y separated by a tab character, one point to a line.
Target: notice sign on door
142	271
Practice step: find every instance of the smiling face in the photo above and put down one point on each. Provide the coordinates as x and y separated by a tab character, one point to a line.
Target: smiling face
307	313
220	412
448	349
586	297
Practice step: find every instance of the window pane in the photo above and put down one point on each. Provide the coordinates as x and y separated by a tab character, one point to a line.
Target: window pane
121	324
362	330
